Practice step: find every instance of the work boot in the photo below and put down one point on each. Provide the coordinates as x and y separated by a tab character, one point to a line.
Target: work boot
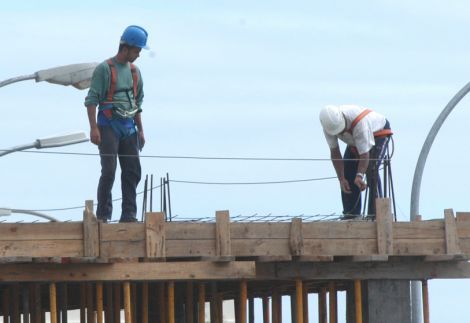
128	220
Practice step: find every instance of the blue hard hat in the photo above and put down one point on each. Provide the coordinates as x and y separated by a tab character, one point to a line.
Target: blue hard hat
135	36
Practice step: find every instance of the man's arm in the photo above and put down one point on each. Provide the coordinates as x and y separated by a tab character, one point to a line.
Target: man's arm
140	129
338	164
361	171
95	135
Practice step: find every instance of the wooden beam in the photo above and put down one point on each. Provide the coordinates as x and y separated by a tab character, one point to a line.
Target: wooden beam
242	301
452	239
201	303
384	227
223	243
296	240
91	244
155	235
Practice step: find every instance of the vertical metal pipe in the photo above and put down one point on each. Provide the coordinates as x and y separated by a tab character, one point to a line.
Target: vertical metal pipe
358	300
82	302
201	303
169	198
127	302
251	309
299	307
333	303
99	302
171	302
53	302
243	298
305	302
277	305
425	301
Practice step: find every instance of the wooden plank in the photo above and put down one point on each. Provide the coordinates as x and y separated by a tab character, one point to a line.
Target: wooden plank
42	248
315	258
41	231
155	235
378	270
433	229
424	247
384	227
296	240
452	243
463	216
370	258
273	258
122	249
91	239
222	234
123	231
128	271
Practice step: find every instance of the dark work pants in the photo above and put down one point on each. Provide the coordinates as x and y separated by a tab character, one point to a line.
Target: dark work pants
352	203
127	150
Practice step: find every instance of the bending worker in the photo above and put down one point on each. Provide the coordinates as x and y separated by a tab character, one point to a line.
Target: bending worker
366	134
117	90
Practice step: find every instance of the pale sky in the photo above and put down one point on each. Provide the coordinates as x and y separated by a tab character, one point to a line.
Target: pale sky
244	79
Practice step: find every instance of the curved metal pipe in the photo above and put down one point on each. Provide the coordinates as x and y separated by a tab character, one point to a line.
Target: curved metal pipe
415	190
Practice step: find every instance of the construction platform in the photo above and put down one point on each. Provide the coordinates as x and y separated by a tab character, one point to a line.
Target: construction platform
58	266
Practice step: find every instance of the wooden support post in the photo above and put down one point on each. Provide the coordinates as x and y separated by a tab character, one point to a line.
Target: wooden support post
53	302
322	306
214	304
201	303
358	300
452	238
145	302
161	303
90	313
25	305
82	302
384	227
223	245
277	305
99	302
243	298
155	236
251	309
127	302
425	301
6	304
171	302
117	302
109	303
15	317
91	239
189	308
333	303
305	302
296	240
266	309
299	307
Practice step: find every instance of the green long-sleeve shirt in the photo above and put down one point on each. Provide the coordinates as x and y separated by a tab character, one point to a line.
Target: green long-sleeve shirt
101	81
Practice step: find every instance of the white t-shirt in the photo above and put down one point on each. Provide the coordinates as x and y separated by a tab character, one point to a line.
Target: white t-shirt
362	136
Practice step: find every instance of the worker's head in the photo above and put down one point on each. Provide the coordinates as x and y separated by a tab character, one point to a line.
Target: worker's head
332	120
133	39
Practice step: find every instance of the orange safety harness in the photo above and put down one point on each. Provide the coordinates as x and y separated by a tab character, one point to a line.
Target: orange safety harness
112	86
379	133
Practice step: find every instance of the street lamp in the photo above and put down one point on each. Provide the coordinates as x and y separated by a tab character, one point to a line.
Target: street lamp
8	211
77	75
50	142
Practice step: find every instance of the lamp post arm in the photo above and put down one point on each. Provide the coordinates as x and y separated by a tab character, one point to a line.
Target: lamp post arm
18	79
7	211
17	148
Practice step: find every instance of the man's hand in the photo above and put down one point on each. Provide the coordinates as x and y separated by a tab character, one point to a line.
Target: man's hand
359	182
95	135
343	182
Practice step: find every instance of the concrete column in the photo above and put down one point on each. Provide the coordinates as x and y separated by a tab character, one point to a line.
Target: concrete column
388	301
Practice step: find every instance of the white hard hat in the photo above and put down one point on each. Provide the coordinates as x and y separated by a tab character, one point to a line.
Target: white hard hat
332	120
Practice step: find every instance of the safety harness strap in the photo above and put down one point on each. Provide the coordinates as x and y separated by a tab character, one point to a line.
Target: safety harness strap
113	81
379	133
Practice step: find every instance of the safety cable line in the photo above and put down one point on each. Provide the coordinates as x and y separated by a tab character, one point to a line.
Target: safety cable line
184	157
254	183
